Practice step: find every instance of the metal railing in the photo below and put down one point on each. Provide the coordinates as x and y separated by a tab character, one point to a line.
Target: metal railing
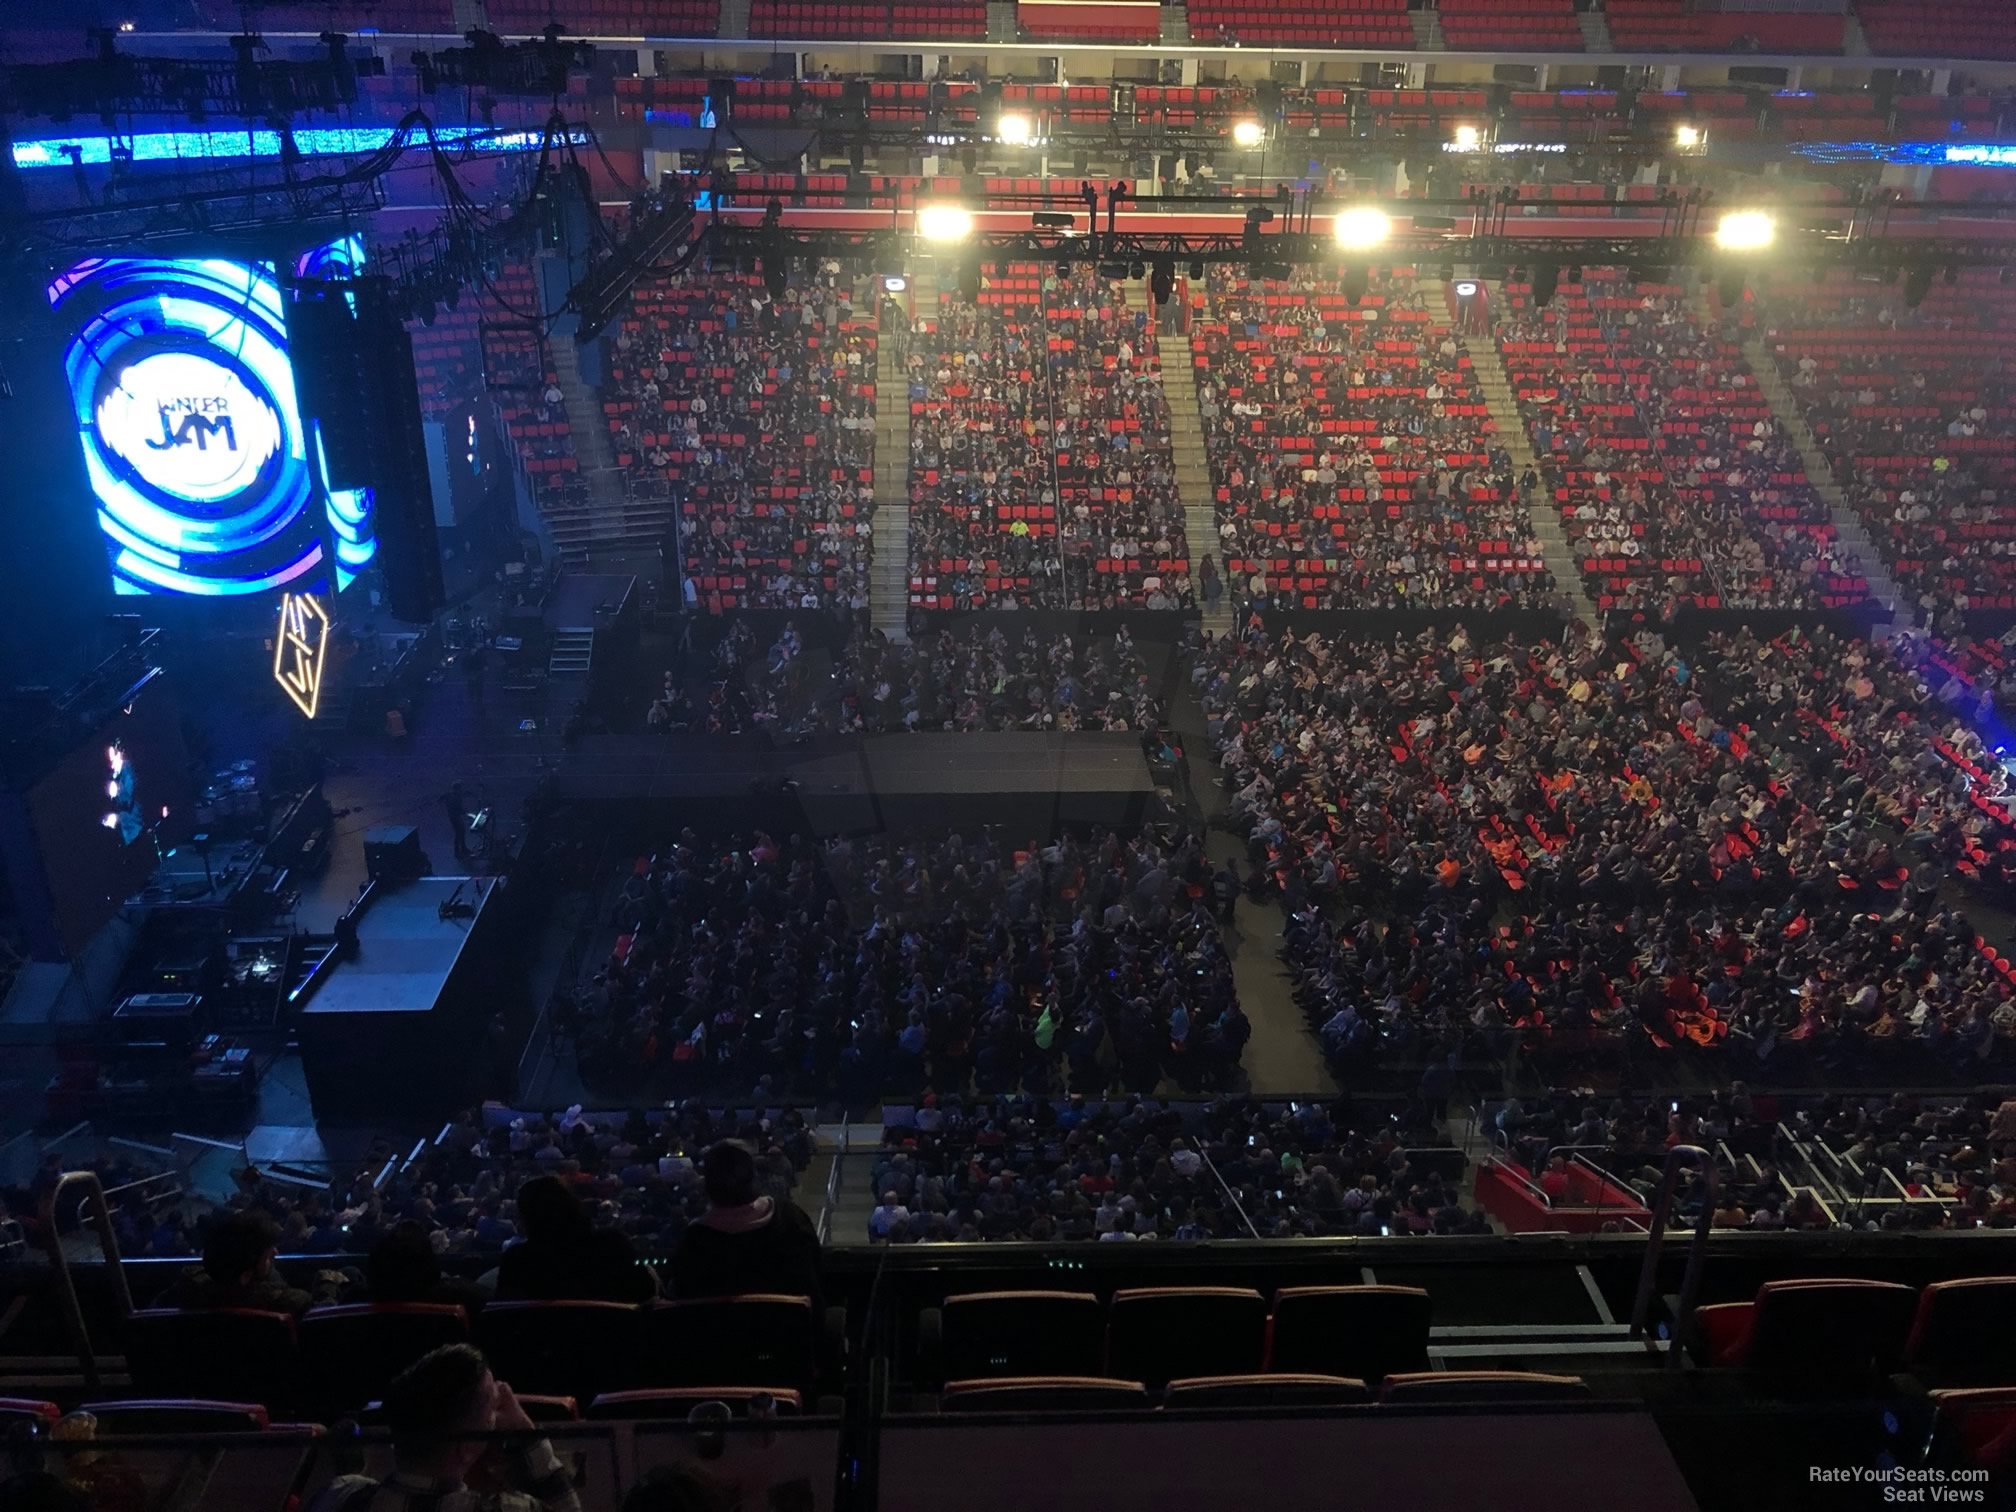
1230	1195
1677	1159
66	1286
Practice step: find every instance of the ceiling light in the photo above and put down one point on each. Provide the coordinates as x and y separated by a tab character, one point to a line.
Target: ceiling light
1745	231
1361	228
944	223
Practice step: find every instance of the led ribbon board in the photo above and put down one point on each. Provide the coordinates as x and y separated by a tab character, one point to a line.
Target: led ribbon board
185	407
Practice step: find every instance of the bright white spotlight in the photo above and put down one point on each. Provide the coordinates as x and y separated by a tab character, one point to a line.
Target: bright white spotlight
1361	228
1248	133
1745	231
894	283
1014	129
944	223
1467	138
1687	136
1466	288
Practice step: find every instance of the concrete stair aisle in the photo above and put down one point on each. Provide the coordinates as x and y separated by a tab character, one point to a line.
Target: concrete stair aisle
1854	44
1175	24
1193	467
889	569
1428	31
610	521
1497	390
734	19
1595	31
1001	23
1820	473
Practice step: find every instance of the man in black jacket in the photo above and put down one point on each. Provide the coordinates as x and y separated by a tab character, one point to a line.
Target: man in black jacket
745	1243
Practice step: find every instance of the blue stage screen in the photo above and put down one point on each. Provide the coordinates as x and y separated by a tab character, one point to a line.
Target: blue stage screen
204	472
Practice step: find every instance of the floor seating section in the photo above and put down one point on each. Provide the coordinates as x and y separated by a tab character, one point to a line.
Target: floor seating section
764	444
1296	379
1914	412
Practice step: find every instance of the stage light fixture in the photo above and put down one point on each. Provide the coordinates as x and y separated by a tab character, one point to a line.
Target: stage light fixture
1546	282
1248	133
1468	138
1466	288
1356	281
1361	227
1917	284
1745	231
894	283
1014	129
944	223
1687	136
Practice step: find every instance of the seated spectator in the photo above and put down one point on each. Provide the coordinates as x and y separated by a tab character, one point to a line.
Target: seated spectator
746	1242
237	1270
445	1411
563	1256
403	1267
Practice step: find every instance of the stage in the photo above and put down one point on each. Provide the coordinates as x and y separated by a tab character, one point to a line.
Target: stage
845	785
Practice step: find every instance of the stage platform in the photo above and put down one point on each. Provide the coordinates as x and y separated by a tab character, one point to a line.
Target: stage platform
848	784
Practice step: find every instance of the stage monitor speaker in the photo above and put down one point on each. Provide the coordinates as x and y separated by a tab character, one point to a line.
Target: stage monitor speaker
353	362
392	853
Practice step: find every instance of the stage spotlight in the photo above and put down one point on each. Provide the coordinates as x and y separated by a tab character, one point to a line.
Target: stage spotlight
1137	269
894	283
1467	138
1917	284
1729	288
1015	130
1466	288
1162	280
1745	231
1356	281
944	223
1248	133
1546	280
1687	136
1361	228
1197	271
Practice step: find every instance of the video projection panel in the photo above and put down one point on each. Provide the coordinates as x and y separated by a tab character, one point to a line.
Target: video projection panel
204	470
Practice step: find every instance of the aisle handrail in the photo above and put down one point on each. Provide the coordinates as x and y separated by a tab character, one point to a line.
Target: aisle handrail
1677	1158
108	1241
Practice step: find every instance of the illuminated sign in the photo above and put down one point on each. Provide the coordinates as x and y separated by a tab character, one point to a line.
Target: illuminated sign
299	650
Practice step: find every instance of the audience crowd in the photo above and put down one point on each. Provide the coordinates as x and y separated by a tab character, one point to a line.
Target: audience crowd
1675	483
1351	452
754	417
1031	1168
855	967
1488	850
1040	469
1911	405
